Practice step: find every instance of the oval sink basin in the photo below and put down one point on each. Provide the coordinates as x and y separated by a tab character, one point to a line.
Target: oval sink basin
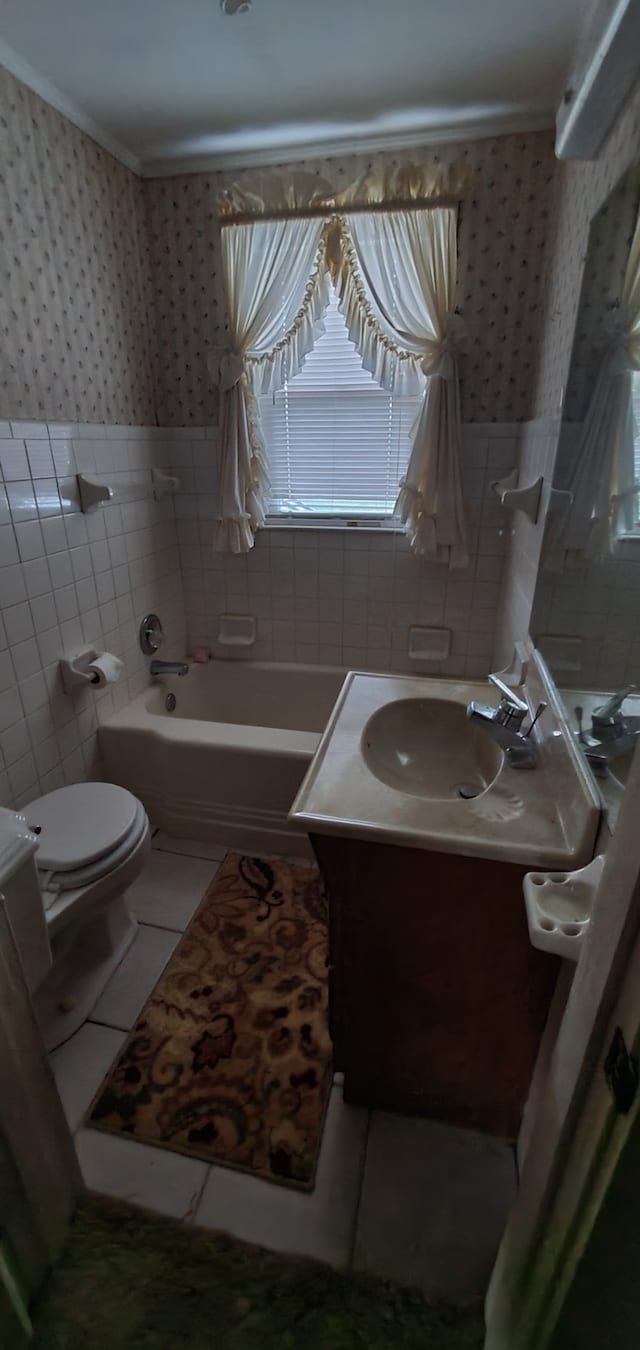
429	748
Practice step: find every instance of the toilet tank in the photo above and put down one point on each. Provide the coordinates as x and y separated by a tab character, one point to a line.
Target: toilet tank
20	894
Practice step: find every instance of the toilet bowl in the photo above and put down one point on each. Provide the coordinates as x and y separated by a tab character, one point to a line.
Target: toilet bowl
66	861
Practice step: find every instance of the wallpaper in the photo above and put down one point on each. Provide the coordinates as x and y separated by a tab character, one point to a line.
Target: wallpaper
502	237
73	277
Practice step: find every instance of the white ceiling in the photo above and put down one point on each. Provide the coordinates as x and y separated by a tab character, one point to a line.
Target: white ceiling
176	83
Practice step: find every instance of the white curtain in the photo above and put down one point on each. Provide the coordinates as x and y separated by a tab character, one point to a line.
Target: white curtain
603	479
276	288
396	284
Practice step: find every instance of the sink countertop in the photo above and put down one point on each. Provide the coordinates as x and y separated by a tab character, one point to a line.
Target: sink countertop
543	817
609	788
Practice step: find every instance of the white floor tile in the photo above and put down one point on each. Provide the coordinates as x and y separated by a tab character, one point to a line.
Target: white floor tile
127	990
434	1204
319	1224
170	889
80	1065
152	1177
190	848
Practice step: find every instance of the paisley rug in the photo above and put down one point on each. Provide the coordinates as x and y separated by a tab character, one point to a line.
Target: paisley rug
230	1059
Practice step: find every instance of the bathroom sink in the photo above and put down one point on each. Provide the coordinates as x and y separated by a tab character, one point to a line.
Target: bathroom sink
429	748
400	762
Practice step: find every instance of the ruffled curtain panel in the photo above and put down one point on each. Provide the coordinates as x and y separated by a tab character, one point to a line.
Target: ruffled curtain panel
395	272
397	287
276	287
603	480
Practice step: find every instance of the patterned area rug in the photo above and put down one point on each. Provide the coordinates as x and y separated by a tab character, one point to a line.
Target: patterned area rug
230	1059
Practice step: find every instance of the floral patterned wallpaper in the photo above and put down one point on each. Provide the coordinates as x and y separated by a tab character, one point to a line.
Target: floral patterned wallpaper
112	284
502	238
75	342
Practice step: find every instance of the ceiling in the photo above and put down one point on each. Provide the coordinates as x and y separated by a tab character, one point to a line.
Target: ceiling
175	84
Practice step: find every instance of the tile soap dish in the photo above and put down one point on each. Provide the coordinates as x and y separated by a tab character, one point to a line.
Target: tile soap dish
559	906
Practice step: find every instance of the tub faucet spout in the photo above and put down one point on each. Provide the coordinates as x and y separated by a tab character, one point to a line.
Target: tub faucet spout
169	668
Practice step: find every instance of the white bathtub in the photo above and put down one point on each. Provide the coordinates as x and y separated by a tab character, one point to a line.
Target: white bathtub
227	762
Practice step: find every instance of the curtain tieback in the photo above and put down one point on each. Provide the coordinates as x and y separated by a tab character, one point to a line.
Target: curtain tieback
440	357
230	370
440	361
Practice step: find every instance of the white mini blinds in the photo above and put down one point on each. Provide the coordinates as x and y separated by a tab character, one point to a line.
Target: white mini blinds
337	442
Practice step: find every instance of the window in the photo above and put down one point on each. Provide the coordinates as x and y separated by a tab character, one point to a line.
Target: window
628	531
635	407
338	443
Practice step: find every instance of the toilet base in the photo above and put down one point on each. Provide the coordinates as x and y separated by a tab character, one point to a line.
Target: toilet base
82	965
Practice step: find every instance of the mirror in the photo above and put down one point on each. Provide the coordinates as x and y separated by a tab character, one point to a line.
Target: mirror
586	613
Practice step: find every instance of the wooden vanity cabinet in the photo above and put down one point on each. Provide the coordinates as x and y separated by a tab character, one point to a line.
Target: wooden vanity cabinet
437	999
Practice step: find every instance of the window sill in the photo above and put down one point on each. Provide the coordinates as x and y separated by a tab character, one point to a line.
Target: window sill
333	525
627	546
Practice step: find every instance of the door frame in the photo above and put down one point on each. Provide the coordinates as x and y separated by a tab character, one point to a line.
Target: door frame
577	1134
41	1177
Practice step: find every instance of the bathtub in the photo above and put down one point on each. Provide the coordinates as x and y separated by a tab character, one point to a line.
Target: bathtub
225	763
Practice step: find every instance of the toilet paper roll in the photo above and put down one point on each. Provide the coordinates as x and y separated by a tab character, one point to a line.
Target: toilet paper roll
104	669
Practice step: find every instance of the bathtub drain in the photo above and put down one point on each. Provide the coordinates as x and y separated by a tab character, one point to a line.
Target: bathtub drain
170	702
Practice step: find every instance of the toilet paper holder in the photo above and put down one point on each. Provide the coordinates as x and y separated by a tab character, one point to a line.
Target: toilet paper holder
77	668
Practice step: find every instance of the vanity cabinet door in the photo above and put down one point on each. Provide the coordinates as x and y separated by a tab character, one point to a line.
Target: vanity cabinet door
441	999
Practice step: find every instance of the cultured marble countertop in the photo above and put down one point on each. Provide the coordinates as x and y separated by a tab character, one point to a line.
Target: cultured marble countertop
546	817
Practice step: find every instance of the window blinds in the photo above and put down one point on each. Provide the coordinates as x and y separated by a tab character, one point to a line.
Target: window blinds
635	405
337	443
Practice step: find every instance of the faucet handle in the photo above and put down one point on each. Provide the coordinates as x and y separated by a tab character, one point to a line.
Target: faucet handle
509	695
538	713
605	714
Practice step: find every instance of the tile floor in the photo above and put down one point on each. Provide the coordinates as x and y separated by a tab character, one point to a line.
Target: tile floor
409	1199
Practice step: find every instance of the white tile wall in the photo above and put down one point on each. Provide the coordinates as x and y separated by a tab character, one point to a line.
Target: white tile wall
344	598
68	579
330	597
600	604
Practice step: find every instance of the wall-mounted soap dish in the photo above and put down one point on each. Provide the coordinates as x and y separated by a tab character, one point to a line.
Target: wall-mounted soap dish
429	644
559	906
236	630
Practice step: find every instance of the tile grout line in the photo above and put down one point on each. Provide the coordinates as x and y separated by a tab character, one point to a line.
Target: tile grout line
356	1218
109	1026
177	853
192	1212
179	932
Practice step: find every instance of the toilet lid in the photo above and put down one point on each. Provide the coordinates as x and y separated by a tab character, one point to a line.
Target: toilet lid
80	823
53	883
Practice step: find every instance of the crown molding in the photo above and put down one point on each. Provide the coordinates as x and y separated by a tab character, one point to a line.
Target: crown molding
40	85
171	164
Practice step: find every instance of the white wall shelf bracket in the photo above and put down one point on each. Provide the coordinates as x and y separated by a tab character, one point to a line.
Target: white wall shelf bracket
515	498
163	484
92	492
559	500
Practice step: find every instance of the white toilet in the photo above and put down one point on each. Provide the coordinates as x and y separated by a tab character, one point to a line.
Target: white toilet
66	861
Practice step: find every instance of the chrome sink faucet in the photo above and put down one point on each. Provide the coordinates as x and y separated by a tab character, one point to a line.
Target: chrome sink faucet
608	723
612	731
504	724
